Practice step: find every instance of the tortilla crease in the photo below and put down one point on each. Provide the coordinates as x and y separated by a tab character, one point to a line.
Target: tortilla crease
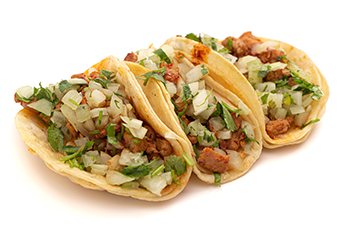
226	74
160	100
34	135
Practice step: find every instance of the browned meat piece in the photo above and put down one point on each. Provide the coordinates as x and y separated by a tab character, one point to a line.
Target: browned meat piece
132	57
270	56
291	82
236	140
278	127
249	40
237	47
193	139
151	148
171	72
237	119
273	76
150	135
213	161
94	75
135	144
164	147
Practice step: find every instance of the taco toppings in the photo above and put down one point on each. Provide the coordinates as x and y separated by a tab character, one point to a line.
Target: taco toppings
95	128
220	137
284	89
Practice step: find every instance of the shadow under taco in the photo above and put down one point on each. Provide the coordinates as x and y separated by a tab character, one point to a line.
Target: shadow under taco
221	130
99	130
279	83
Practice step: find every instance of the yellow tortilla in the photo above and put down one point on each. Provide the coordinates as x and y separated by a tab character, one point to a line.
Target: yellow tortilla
160	100
226	74
34	135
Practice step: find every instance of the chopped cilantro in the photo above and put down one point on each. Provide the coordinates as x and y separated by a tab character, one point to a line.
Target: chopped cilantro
156	74
163	56
175	163
310	122
55	138
193	37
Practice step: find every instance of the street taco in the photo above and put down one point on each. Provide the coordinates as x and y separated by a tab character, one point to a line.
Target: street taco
280	84
99	130
220	128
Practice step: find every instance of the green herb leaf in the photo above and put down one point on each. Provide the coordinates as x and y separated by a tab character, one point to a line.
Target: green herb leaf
63	85
193	37
156	74
55	138
110	130
230	123
106	74
310	122
247	137
175	163
186	92
217	178
163	56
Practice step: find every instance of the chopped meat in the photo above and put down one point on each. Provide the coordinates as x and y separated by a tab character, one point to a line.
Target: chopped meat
213	161
249	40
200	53
151	148
273	76
150	135
237	119
164	147
193	139
80	76
291	82
271	55
233	143
135	144
237	47
93	75
171	72
132	57
278	127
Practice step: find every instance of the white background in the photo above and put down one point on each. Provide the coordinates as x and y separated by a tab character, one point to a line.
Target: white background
302	188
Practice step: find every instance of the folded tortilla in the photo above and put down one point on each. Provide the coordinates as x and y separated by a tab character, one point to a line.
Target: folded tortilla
160	99
34	133
237	83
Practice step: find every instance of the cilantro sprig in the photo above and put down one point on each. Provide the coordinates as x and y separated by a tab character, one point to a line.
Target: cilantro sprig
156	74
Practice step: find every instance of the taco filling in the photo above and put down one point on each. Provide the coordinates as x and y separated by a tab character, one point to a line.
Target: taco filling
284	89
220	137
95	128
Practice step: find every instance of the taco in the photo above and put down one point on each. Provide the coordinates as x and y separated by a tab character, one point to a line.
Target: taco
99	130
280	84
220	128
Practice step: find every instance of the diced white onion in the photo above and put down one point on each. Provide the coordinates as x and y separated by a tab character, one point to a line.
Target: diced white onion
280	113
96	112
277	66
302	74
217	123
77	81
235	162
277	99
168	50
265	87
113	86
207	112
154	185
25	91
167	177
104	157
132	123
225	134
128	158
95	86
70	115
195	74
301	118
116	105
83	113
42	105
193	87
297	109
58	119
72	99
196	127
217	150
97	97
297	97
100	169
90	158
117	178
81	141
200	102
171	88
244	108
307	101
249	129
